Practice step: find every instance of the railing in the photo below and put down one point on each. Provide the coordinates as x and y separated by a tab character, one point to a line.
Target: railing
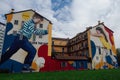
67	57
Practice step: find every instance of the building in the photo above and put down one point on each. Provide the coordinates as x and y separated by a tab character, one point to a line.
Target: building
74	51
2	33
92	49
15	21
59	47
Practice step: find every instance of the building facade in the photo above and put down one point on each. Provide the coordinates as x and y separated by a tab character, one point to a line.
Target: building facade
15	21
91	49
102	47
2	34
75	51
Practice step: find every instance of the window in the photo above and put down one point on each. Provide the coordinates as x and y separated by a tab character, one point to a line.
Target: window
97	58
22	23
14	32
81	64
84	35
110	52
80	37
34	37
63	64
16	22
82	44
52	42
63	50
99	50
83	53
86	44
41	26
87	54
40	36
77	54
71	48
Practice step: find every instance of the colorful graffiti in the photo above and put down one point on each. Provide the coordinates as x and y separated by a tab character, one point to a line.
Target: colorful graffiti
102	47
26	32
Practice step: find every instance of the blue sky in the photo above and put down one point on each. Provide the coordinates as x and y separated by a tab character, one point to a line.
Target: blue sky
70	17
58	6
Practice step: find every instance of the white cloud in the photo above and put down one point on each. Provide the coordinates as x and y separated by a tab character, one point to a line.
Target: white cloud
87	13
74	18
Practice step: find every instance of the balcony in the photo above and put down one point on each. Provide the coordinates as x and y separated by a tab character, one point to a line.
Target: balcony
67	57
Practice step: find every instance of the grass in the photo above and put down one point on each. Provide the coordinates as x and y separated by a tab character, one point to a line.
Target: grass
110	74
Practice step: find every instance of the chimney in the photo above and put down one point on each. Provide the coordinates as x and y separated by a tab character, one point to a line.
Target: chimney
12	10
99	22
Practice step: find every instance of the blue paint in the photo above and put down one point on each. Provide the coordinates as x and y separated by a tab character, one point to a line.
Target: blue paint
93	48
8	39
7	65
109	60
12	66
80	64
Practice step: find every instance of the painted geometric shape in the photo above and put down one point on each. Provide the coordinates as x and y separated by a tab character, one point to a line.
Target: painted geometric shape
12	66
26	16
43	51
70	62
114	50
9	26
93	47
34	66
9	17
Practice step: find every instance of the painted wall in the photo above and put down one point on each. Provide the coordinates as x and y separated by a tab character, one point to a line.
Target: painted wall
13	25
2	34
102	48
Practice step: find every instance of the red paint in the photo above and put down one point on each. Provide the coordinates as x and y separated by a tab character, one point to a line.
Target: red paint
110	35
51	64
43	51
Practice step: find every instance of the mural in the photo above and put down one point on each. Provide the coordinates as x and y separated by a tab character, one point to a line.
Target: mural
2	34
25	33
102	47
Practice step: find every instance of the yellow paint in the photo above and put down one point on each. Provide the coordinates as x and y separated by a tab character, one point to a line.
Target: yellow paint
49	39
99	65
89	44
110	66
34	66
104	42
113	47
70	62
114	50
26	15
9	17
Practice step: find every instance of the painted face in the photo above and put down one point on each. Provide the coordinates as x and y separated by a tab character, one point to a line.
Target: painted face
36	20
98	31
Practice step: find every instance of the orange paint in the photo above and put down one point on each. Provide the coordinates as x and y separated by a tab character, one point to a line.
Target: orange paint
113	46
34	66
110	66
99	65
9	17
